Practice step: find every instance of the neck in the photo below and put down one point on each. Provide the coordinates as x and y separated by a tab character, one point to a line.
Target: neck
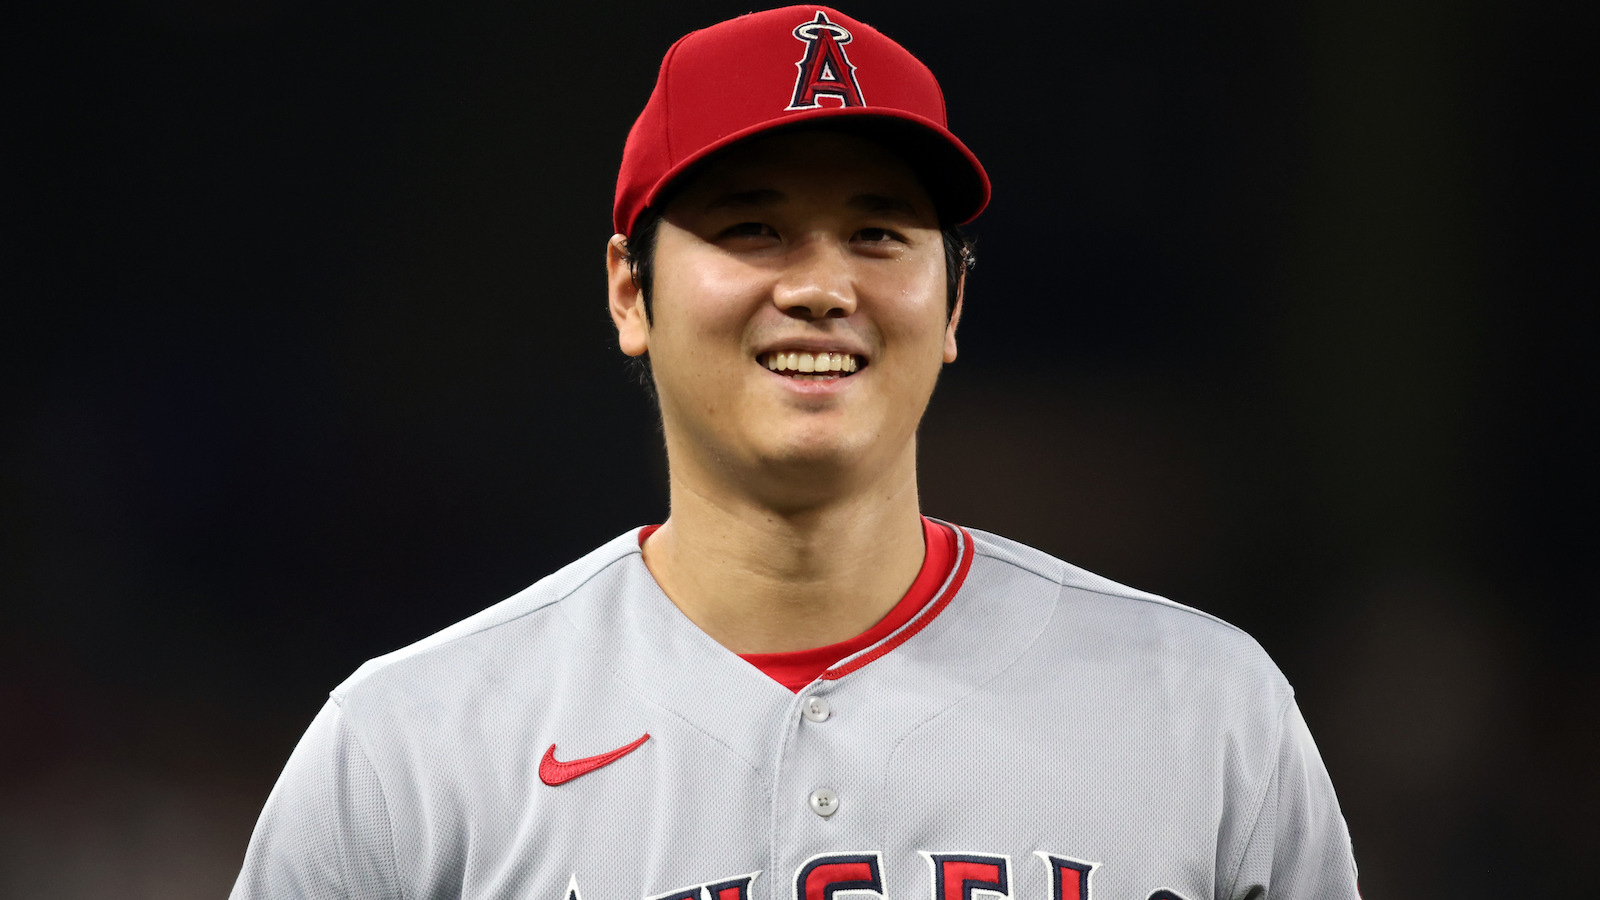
764	580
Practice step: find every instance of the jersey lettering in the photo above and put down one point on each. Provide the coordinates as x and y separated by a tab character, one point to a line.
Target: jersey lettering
1069	878
956	876
825	70
823	876
962	876
732	889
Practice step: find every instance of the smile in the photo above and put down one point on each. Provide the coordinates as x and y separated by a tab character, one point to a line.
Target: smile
811	366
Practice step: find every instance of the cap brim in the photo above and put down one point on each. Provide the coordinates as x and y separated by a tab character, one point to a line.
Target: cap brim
949	170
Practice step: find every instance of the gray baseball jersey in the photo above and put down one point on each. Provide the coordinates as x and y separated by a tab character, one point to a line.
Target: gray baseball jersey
1036	733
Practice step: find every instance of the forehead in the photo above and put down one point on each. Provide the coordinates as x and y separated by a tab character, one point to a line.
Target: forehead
815	165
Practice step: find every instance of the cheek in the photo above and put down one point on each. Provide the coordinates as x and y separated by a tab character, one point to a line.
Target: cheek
712	297
698	342
916	315
699	290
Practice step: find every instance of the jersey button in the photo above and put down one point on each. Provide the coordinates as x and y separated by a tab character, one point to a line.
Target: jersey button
815	709
824	802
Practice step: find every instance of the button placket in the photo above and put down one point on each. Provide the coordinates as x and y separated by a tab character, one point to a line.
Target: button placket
824	802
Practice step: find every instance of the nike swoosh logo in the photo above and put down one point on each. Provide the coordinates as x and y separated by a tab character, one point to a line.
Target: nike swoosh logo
554	772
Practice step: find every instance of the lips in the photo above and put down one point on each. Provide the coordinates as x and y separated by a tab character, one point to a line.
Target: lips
825	364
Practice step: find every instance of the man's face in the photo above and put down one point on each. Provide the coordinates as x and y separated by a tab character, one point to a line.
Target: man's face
790	255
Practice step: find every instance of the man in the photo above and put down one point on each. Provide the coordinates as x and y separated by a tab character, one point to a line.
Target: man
798	686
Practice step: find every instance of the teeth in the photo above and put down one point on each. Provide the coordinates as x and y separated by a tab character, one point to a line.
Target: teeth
808	363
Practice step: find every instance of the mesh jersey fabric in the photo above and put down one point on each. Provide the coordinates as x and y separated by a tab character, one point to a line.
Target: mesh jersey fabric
1045	713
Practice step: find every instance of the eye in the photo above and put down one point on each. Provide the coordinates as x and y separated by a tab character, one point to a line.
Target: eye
881	237
875	235
748	230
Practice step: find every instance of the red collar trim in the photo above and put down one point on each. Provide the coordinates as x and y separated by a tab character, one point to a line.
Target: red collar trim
956	574
945	564
796	669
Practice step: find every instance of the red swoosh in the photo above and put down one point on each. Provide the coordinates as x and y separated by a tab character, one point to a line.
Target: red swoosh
554	772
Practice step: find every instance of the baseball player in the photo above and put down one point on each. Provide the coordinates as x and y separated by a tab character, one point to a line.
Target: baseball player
798	687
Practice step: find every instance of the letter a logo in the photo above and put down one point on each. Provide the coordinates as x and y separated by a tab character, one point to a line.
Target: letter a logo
824	70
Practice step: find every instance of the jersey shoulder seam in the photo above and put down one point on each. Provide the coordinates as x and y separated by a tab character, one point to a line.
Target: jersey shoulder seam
1055	609
418	648
1261	792
1105	587
388	810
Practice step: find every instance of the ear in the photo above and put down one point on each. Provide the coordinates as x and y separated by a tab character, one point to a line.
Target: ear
955	318
626	300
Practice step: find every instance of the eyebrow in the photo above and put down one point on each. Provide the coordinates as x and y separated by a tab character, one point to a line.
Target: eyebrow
757	197
883	203
873	203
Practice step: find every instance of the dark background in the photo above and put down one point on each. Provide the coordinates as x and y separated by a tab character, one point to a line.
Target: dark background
1279	311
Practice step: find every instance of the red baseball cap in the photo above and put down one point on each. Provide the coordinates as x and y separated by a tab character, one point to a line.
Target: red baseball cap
782	67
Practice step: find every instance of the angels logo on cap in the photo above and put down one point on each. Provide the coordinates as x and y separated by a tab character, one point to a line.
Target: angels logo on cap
825	70
730	82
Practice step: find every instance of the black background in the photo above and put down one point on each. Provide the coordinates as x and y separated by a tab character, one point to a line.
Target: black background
1284	310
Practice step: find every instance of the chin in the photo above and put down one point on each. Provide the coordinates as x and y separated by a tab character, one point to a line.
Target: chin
823	465
811	454
812	460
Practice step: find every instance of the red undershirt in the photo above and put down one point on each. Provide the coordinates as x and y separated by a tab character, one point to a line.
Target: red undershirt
798	668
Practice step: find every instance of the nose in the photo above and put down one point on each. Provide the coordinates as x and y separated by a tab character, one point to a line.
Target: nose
817	281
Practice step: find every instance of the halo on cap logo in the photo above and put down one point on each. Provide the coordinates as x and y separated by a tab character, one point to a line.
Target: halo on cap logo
825	70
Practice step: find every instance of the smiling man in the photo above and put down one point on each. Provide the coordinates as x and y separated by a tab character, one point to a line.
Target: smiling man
797	685
800	321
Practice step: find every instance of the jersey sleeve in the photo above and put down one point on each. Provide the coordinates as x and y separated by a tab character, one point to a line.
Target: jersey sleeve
1299	846
325	830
